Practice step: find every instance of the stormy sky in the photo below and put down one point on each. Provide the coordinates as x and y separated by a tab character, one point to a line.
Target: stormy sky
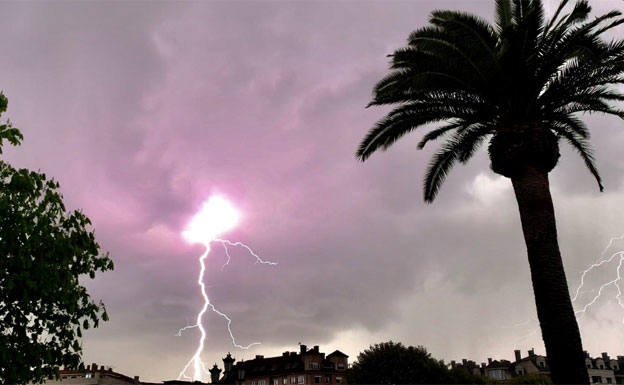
141	110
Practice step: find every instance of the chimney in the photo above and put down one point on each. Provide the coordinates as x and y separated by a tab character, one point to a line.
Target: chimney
259	357
585	354
215	373
94	366
517	353
452	364
605	357
228	363
316	348
136	379
483	365
285	354
531	352
464	362
303	349
489	360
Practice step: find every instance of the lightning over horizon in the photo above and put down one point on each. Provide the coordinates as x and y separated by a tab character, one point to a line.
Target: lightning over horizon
601	261
216	217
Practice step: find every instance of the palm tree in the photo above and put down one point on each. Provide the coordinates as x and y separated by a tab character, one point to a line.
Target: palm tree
521	84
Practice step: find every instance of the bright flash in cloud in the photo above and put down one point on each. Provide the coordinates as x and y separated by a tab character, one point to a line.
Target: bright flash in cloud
216	217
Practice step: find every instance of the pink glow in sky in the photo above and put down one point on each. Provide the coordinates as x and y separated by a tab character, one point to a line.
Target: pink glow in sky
216	217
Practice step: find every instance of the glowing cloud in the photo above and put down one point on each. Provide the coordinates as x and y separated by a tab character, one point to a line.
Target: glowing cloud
216	217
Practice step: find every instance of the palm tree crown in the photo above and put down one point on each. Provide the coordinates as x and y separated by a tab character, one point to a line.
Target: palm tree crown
522	82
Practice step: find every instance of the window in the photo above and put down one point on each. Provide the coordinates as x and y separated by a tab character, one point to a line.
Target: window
300	380
317	379
497	374
293	380
327	379
339	380
284	381
601	366
541	364
341	366
597	379
88	375
275	381
261	382
313	365
609	381
253	382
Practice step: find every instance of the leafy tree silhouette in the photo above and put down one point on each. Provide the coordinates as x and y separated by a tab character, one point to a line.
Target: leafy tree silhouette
44	249
394	363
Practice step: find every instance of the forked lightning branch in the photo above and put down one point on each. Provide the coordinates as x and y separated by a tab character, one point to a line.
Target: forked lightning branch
217	216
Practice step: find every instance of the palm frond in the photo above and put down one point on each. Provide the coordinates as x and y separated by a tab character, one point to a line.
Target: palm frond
438	132
460	147
464	26
404	119
579	13
438	169
555	16
503	15
406	85
471	139
569	122
583	148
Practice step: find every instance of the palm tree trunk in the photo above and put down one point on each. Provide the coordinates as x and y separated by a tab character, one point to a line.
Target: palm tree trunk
552	298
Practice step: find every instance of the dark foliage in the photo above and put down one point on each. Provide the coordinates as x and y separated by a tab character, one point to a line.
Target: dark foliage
394	363
44	249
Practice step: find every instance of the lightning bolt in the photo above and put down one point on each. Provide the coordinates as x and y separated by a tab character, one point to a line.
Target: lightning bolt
195	361
611	243
603	261
227	243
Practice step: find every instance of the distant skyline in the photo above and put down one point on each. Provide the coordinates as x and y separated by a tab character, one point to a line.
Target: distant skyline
141	110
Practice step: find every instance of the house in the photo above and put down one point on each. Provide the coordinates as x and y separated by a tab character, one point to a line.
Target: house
619	373
303	368
503	370
92	375
470	367
500	370
601	370
531	364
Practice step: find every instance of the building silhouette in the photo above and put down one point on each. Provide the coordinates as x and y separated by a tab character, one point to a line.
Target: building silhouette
305	367
92	375
601	370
